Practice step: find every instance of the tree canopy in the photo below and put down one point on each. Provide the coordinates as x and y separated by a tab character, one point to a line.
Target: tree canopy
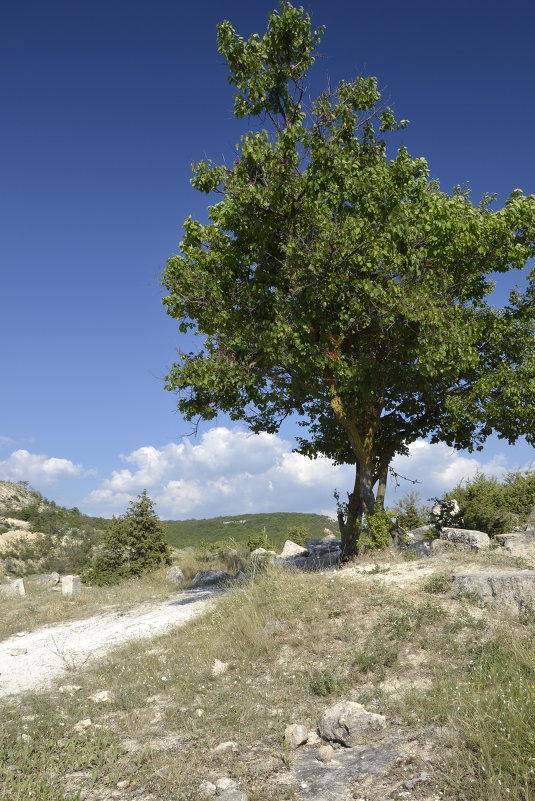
339	283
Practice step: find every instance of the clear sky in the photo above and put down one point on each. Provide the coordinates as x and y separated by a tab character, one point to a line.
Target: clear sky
104	105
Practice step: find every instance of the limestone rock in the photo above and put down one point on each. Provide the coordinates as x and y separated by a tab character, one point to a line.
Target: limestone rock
335	780
228	747
519	543
225	784
174	575
219	667
15	587
82	725
70	688
423	547
295	735
419	534
48	580
233	795
513	590
348	723
292	549
325	753
465	536
206	789
205	578
101	697
70	585
261	557
15	523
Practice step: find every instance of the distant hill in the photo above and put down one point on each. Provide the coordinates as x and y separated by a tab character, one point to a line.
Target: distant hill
37	535
274	526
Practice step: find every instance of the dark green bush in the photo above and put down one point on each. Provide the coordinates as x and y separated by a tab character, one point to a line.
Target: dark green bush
133	544
298	534
495	506
375	532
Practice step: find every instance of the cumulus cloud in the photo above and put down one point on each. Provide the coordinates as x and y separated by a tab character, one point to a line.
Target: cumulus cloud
37	468
438	468
230	471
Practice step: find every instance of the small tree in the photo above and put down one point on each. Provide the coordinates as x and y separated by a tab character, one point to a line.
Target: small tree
133	544
340	284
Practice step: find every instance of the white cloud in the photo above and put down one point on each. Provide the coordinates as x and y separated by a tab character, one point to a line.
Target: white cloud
37	468
230	471
439	468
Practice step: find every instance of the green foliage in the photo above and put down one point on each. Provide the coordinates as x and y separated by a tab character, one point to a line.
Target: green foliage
493	506
410	512
259	541
375	531
338	283
298	534
133	544
324	683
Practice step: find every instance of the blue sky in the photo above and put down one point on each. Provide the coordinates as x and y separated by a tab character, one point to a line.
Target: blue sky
104	106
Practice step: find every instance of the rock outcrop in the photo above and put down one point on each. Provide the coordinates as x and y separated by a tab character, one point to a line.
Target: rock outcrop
512	590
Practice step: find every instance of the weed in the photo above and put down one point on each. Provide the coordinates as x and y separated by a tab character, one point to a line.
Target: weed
439	583
324	683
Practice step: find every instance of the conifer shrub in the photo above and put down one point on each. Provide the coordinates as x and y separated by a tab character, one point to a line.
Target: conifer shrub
133	544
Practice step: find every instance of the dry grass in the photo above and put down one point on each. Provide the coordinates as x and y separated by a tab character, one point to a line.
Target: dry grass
441	668
41	607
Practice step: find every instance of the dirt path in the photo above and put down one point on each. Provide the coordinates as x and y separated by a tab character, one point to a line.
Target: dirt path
31	661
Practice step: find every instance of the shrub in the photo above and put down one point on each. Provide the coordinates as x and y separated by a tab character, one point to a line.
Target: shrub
410	512
298	534
492	506
259	541
324	683
375	532
441	582
132	545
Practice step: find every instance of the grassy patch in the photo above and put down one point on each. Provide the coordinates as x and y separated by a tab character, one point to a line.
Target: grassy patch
290	643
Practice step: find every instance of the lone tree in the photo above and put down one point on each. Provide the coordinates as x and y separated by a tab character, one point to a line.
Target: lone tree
341	285
134	544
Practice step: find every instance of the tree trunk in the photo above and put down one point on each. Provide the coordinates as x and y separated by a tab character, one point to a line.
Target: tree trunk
360	502
381	490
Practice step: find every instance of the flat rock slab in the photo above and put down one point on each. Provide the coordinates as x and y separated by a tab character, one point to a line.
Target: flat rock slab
520	543
513	590
334	780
